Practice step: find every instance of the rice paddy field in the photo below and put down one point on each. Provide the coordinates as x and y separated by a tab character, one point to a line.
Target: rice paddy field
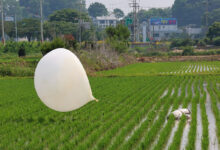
132	113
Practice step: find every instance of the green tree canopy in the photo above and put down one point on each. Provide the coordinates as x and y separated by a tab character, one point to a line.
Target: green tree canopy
97	9
192	11
68	15
29	28
57	28
214	30
120	32
213	16
145	15
118	37
32	7
118	13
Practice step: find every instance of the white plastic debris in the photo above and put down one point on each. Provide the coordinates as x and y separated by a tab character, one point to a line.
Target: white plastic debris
61	81
180	112
177	114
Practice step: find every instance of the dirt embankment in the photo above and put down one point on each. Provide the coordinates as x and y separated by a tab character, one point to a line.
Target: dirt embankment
179	58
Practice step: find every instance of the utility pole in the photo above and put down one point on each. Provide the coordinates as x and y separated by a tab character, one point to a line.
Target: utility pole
41	18
207	14
134	4
16	28
80	19
3	28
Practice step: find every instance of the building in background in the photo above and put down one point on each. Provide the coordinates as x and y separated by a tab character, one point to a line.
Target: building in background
106	21
194	32
162	28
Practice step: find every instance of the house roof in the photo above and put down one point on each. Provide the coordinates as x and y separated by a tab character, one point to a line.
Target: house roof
111	17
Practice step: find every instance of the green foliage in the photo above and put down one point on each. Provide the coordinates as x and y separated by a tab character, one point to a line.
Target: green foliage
31	7
68	15
144	100
213	16
191	12
118	13
21	50
13	47
181	42
117	37
144	15
214	30
46	47
10	47
97	9
188	51
29	28
57	29
216	41
163	68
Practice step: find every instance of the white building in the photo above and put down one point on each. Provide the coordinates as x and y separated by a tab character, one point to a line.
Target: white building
162	28
193	32
106	21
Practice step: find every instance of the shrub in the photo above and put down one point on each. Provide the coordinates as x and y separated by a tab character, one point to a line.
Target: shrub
201	43
70	42
21	50
181	42
216	41
46	47
10	47
187	51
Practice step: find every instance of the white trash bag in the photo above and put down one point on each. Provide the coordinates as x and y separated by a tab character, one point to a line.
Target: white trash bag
61	81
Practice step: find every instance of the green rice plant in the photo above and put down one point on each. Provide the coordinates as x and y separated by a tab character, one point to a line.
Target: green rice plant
205	123
215	108
193	125
137	99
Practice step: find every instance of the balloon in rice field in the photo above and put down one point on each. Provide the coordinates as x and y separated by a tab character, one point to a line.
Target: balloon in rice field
61	81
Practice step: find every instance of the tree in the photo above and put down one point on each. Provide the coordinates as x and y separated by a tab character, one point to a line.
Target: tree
213	16
192	11
68	15
31	7
117	37
11	7
144	15
97	9
29	28
214	31
66	22
58	28
118	13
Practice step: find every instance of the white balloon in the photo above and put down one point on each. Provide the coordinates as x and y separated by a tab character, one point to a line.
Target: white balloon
61	81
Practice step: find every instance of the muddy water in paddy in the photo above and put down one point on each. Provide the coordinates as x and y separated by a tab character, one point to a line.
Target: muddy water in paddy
213	140
165	93
144	119
199	129
184	140
179	92
158	136
172	92
172	134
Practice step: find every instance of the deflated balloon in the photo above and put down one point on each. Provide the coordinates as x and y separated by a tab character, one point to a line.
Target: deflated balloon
61	81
